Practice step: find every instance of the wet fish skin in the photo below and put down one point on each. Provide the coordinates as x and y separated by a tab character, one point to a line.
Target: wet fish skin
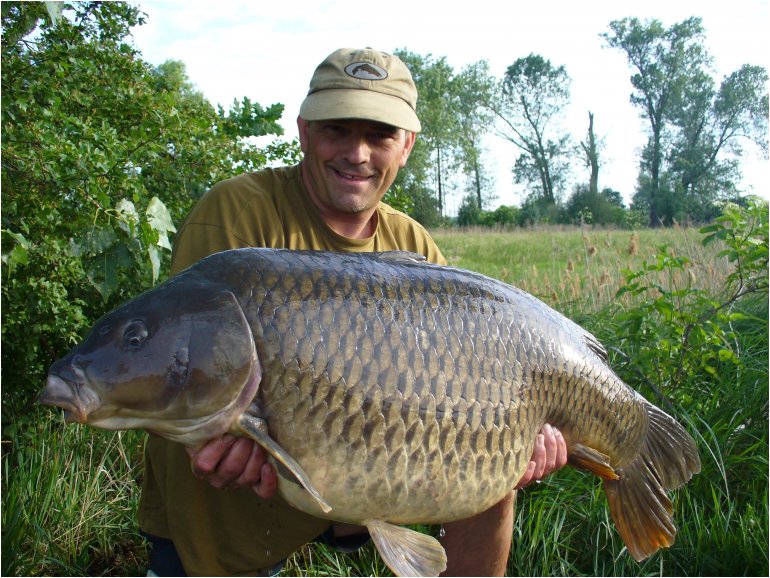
395	391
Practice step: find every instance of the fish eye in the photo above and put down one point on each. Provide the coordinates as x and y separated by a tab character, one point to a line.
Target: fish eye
135	334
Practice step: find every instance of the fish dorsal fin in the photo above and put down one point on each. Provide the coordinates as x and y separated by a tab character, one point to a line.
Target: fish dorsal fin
407	552
596	346
256	429
399	256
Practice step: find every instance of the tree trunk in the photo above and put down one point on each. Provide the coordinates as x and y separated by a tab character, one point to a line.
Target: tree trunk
593	157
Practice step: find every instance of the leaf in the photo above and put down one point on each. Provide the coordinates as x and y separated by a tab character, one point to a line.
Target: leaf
154	261
160	219
19	253
128	215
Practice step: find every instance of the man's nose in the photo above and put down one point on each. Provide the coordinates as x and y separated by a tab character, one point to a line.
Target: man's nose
357	149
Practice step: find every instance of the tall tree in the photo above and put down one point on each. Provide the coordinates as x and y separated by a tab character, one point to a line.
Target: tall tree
712	127
531	97
591	152
435	108
665	61
473	88
454	119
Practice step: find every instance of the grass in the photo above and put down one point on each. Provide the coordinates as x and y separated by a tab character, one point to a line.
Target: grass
571	268
69	499
69	494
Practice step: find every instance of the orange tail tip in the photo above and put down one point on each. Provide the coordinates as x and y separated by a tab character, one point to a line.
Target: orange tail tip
638	501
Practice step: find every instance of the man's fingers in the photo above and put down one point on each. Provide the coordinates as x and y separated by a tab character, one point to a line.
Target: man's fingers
268	482
527	477
551	449
229	462
561	447
205	460
539	457
234	463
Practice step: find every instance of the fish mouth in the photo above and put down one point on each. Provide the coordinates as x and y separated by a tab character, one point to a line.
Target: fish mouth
59	393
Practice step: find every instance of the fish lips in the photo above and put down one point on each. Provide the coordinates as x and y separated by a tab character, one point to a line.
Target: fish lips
59	392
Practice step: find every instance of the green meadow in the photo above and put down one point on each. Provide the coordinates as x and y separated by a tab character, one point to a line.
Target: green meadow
686	325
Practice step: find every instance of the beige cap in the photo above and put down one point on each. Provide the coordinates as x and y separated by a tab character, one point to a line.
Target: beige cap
362	83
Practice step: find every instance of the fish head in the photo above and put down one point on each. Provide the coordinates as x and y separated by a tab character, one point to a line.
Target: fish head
178	360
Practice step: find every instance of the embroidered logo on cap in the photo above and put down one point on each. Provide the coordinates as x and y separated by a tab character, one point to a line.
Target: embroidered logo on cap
366	71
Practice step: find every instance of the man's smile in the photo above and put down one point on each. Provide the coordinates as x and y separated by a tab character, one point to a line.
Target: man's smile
351	176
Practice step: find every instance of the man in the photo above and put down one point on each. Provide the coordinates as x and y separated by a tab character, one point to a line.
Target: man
357	127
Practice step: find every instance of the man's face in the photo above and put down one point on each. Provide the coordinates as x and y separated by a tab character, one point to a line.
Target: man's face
350	164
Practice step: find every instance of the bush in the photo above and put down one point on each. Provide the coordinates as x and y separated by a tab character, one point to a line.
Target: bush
102	154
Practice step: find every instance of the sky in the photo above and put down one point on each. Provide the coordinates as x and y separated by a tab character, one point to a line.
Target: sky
269	50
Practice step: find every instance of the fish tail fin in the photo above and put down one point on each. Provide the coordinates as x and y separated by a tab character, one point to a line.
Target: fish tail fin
638	502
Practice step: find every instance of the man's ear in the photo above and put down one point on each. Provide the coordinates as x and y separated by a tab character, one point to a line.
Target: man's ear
411	137
302	128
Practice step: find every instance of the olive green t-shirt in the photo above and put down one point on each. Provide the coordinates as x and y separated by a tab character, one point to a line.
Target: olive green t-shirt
234	532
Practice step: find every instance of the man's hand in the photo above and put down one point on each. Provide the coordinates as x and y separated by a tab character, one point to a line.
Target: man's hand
549	455
234	462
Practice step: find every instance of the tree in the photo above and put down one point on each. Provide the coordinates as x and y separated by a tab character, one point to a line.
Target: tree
102	154
595	207
532	95
474	86
440	129
712	125
454	121
590	149
665	61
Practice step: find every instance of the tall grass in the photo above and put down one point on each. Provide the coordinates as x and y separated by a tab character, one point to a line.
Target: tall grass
69	494
69	499
576	270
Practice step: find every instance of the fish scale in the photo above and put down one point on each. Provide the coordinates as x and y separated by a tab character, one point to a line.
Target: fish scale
386	390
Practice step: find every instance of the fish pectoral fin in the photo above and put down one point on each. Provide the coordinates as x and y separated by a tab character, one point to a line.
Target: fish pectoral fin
407	552
256	429
594	461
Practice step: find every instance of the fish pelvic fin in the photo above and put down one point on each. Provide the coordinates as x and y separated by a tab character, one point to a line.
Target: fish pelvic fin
407	552
256	429
594	461
638	502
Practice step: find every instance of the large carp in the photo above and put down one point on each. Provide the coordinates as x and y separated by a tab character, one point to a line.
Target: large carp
386	390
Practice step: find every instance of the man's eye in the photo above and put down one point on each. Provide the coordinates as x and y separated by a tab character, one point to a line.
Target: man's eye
335	129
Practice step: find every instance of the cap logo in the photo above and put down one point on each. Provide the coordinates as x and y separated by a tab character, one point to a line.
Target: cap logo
366	71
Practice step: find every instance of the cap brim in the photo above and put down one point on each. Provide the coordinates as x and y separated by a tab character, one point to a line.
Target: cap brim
364	104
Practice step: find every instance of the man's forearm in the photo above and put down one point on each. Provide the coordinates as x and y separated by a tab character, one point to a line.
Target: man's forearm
479	546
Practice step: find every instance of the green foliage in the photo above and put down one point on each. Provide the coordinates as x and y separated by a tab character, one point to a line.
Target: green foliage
102	154
69	499
398	198
744	233
600	208
681	330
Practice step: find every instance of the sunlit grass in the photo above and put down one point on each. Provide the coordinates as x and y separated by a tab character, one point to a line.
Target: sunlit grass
577	269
